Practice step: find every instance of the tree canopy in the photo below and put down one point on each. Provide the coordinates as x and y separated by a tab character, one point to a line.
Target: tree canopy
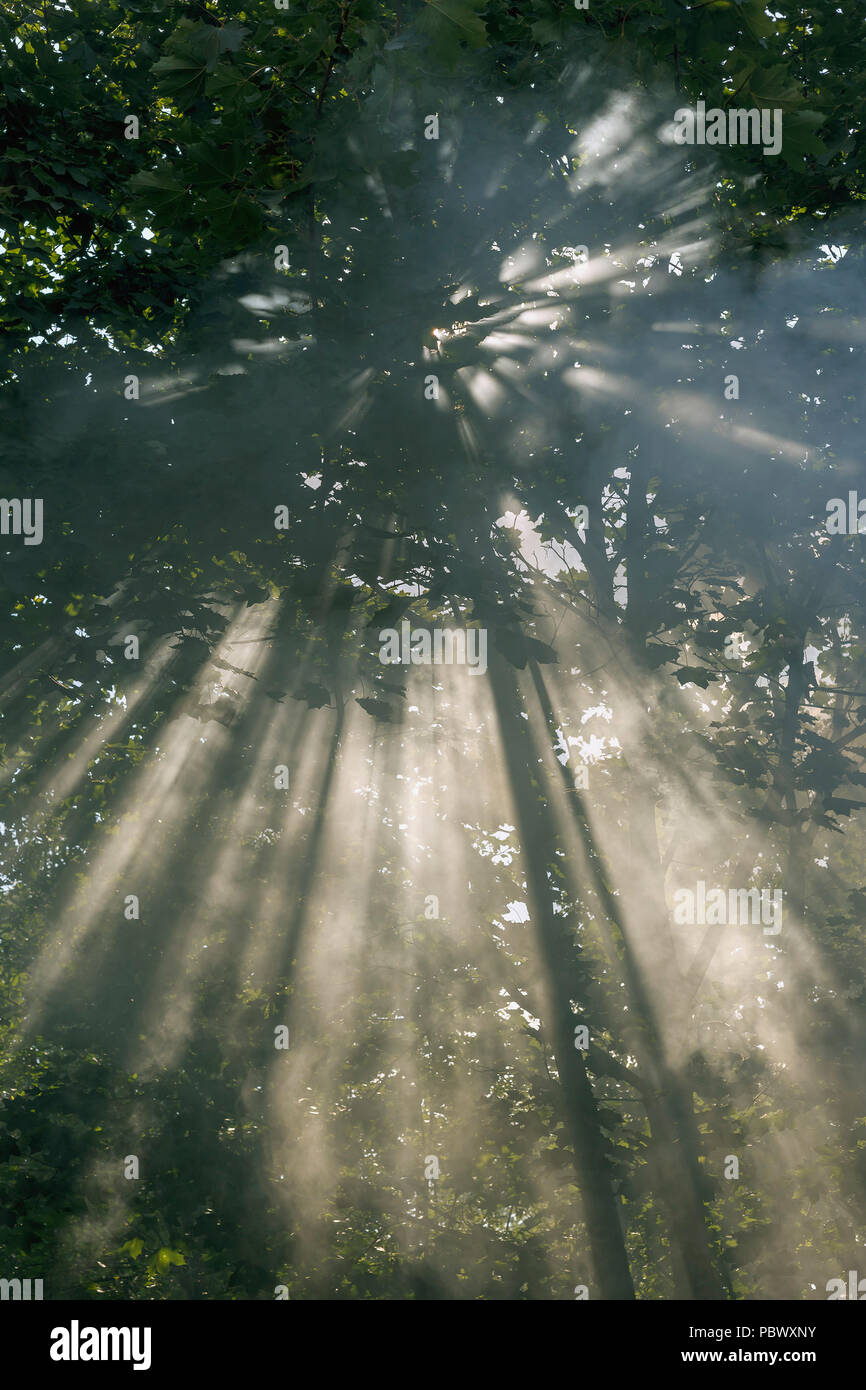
327	977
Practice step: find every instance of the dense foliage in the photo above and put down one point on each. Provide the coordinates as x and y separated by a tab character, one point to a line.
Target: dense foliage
237	303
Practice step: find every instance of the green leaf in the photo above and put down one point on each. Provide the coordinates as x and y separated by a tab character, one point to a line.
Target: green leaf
231	36
380	710
799	136
775	86
460	14
161	191
694	675
165	1258
180	78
